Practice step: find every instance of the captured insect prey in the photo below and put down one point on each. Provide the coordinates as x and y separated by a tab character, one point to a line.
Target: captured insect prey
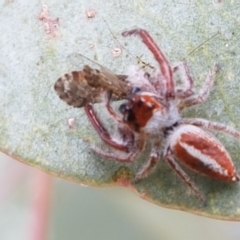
151	113
79	88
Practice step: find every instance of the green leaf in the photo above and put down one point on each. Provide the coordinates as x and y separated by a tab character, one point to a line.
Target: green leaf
34	121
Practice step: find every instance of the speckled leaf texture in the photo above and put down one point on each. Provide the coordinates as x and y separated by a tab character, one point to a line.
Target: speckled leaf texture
34	123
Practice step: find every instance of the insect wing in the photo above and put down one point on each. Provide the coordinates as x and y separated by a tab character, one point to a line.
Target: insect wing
116	83
73	89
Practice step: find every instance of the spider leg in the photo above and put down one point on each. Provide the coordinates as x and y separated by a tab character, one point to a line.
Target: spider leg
125	132
103	133
151	163
203	123
126	158
186	89
183	175
159	84
108	98
203	93
161	59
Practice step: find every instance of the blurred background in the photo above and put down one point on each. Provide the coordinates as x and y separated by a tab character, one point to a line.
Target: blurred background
36	206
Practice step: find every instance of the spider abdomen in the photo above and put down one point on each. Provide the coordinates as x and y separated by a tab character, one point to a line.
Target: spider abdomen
202	152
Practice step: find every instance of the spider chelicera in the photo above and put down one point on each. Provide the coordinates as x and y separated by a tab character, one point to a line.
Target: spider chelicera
152	114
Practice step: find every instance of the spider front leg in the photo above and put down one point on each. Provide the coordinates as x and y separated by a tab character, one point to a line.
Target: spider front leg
105	136
203	94
161	59
112	113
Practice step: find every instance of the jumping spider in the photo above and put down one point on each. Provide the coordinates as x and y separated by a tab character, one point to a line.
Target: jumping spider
153	114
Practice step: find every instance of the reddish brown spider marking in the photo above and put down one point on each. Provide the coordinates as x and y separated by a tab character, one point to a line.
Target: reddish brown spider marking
51	25
154	115
80	88
90	13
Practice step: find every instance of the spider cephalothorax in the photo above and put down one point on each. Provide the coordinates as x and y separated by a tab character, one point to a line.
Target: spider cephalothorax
146	112
152	114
